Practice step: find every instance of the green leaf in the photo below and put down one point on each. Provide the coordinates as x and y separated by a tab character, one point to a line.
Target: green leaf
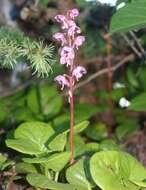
37	132
126	128
138	103
79	173
58	143
30	138
78	128
26	146
140	183
132	78
62	126
92	148
43	182
58	161
130	17
35	160
7	164
81	114
108	144
79	146
55	162
44	100
112	169
25	168
2	159
97	131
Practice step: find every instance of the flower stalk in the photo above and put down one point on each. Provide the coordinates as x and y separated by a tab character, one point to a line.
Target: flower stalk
70	40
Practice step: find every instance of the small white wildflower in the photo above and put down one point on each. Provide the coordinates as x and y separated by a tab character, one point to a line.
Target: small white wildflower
124	103
117	85
121	5
108	2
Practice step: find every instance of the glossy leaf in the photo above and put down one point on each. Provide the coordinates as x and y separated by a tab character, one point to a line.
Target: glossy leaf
112	169
43	182
26	146
79	174
58	142
58	161
61	128
25	168
37	132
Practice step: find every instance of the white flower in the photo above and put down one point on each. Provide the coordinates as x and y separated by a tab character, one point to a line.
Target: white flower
121	5
117	85
109	2
124	103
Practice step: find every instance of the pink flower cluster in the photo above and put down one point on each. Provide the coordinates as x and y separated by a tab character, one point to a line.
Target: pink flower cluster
70	40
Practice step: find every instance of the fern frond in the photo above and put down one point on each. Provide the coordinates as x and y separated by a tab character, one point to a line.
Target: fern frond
14	46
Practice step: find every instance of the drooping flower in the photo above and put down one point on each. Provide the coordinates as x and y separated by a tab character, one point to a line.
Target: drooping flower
67	55
73	13
63	20
60	18
62	81
79	40
74	30
60	37
78	72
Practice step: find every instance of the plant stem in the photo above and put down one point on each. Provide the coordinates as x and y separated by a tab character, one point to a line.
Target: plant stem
71	138
56	176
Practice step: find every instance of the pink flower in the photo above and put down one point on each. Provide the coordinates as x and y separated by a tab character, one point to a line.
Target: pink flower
73	13
79	40
73	30
78	72
62	81
60	18
60	38
67	55
63	20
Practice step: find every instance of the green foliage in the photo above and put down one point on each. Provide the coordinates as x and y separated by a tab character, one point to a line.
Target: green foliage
138	103
97	131
45	149
131	16
79	174
111	170
5	163
16	47
30	138
41	181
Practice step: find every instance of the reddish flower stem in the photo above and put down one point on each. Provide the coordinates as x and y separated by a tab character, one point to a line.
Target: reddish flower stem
71	138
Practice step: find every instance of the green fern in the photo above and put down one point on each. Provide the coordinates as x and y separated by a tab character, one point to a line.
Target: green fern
15	46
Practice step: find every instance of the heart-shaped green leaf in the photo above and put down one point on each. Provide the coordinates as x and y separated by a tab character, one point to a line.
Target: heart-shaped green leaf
112	169
37	132
31	137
